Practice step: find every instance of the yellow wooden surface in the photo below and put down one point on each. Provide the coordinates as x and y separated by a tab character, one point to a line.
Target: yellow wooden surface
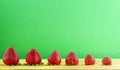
81	65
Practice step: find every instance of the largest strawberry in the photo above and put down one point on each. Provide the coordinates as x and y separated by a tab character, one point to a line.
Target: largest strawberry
54	58
33	57
10	57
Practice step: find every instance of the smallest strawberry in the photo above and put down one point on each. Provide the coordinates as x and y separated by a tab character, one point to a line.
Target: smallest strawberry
106	60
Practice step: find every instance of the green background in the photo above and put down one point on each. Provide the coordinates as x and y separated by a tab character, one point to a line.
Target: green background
82	26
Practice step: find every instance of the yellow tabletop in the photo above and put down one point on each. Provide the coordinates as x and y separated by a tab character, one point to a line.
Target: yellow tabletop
80	66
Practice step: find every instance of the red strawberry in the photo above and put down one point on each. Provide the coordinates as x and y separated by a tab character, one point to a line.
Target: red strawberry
54	58
89	60
106	60
71	59
33	57
10	57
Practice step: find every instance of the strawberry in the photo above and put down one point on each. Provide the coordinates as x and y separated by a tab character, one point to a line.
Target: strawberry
106	60
89	60
10	57
54	58
33	57
71	59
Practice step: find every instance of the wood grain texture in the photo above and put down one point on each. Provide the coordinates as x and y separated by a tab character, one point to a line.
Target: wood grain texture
81	66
